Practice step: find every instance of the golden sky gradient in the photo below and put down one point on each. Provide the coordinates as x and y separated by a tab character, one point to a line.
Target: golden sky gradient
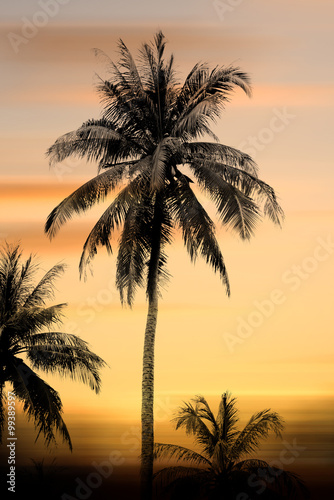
281	281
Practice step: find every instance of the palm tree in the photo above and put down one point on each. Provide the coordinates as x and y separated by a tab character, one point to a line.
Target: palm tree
27	328
220	470
145	150
44	479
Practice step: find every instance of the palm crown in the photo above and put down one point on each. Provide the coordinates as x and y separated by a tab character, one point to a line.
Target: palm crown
27	328
221	469
143	144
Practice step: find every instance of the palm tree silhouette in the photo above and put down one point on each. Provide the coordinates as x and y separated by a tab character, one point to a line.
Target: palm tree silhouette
27	328
44	479
220	469
144	146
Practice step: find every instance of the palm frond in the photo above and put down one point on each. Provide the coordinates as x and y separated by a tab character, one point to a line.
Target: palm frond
29	320
169	474
159	165
100	140
56	339
219	153
114	216
132	76
251	186
15	279
181	482
26	275
234	75
93	191
287	484
44	290
107	145
204	96
9	262
66	354
272	209
101	233
227	417
163	274
284	483
160	236
159	81
71	358
151	58
251	465
255	188
102	56
258	428
235	208
204	411
165	156
197	227
41	403
134	247
220	456
191	419
122	107
170	451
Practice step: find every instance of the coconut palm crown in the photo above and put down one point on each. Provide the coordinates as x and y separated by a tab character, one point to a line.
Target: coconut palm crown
28	328
220	469
148	150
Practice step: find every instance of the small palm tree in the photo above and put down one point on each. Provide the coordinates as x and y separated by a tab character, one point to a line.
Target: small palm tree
44	479
147	146
27	328
221	471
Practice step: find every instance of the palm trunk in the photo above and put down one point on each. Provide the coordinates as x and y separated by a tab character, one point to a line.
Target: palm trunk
148	400
147	414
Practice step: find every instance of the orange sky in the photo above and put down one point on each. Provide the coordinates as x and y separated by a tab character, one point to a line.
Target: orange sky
47	89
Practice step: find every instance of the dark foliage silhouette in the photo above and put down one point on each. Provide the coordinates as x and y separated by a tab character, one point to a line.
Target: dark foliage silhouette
27	328
220	470
45	478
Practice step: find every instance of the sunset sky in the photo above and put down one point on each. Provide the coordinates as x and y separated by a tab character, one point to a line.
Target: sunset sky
47	89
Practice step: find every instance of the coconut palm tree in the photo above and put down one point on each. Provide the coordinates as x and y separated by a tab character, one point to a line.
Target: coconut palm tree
27	329
146	150
45	479
220	469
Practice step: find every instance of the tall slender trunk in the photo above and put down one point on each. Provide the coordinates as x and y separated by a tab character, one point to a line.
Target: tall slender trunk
147	413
